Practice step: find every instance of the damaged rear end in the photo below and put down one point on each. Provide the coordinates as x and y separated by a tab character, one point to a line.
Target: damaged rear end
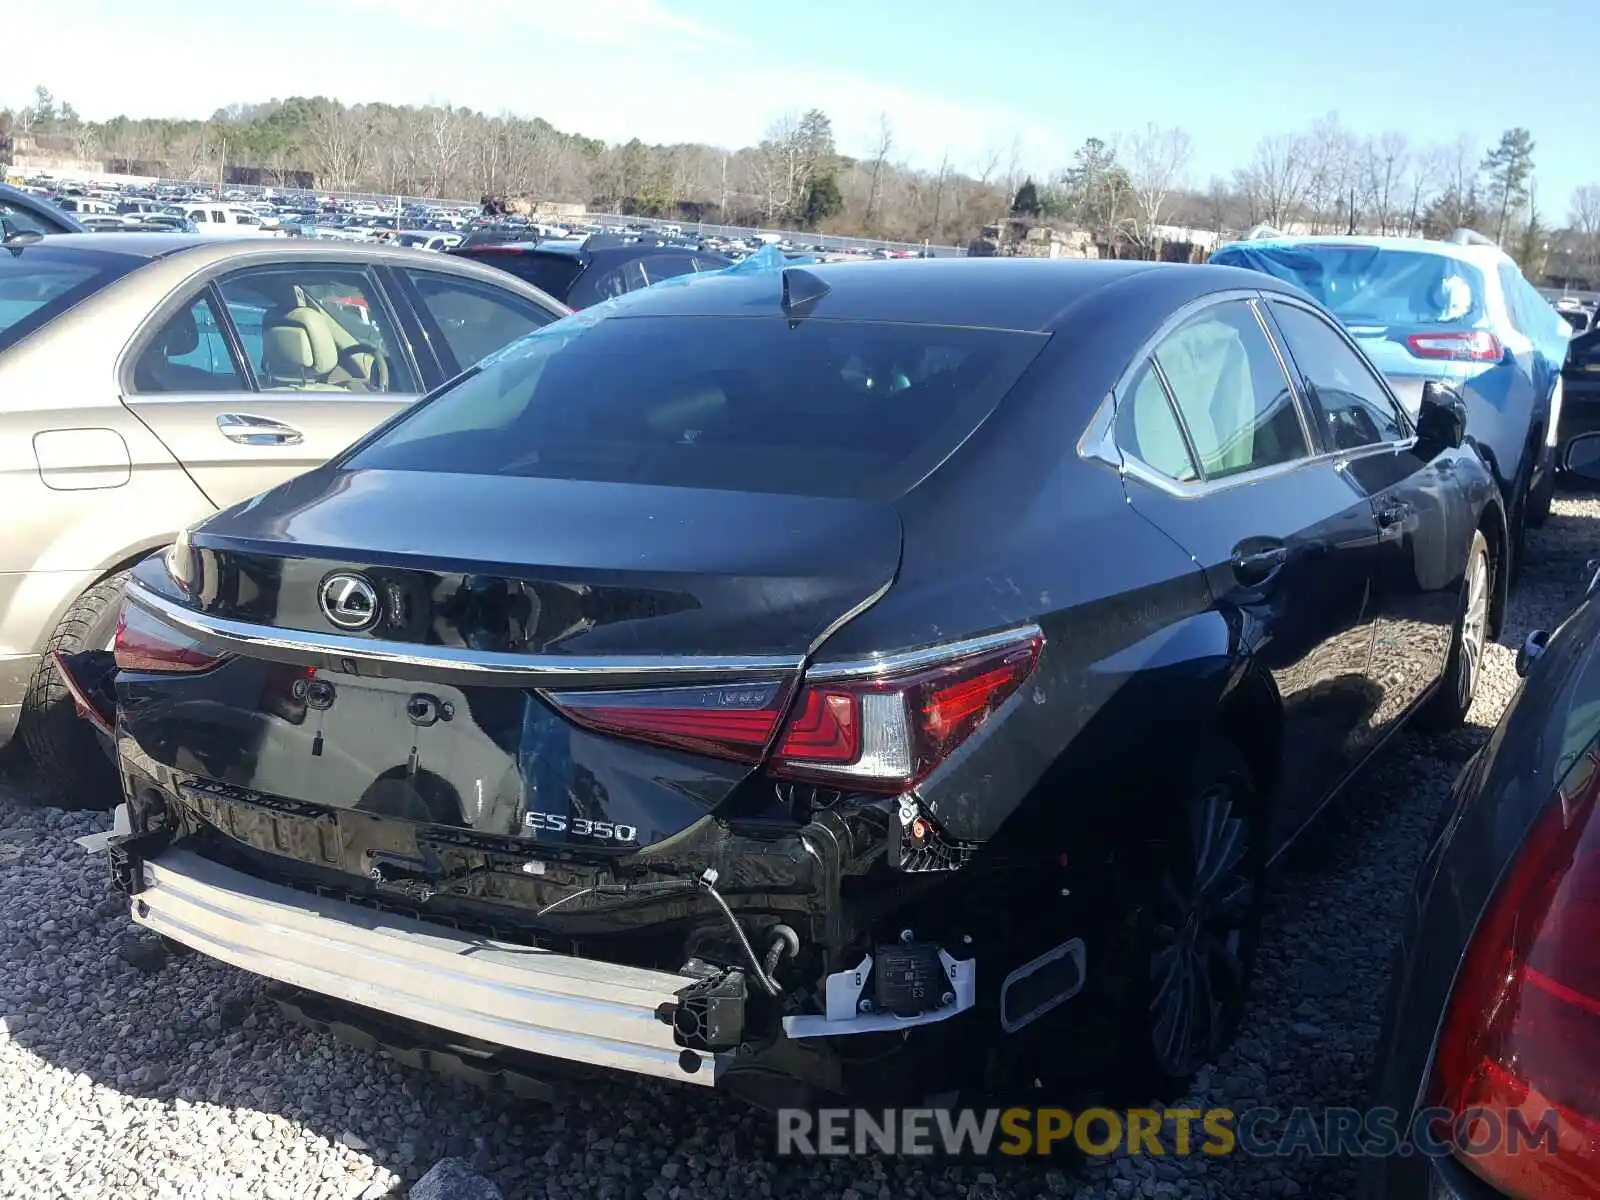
559	764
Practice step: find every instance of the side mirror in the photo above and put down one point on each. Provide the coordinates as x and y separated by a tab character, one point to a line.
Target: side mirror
1441	418
1583	457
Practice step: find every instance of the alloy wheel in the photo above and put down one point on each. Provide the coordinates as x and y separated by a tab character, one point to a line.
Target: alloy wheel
1197	960
1474	628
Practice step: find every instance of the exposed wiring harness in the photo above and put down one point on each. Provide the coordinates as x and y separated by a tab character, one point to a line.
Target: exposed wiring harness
784	938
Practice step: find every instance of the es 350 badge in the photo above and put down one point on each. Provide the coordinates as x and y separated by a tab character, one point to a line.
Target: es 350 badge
582	827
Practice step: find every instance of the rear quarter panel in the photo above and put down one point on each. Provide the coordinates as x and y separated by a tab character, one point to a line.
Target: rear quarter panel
1552	719
120	493
1017	528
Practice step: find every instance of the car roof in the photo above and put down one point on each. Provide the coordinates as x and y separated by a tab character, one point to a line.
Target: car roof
1022	294
1416	245
205	251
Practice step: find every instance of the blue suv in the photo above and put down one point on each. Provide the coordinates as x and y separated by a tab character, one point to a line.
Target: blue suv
1459	311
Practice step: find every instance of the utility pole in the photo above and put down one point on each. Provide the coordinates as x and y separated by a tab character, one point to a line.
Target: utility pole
724	205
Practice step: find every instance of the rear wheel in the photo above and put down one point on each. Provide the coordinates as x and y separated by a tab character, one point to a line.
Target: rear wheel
1172	989
1451	702
75	767
1203	923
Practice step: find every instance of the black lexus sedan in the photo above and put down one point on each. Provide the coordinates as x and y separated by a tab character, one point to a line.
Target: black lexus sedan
853	676
1490	1056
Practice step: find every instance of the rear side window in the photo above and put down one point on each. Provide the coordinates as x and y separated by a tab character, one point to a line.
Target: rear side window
1232	392
189	354
42	282
1148	430
825	408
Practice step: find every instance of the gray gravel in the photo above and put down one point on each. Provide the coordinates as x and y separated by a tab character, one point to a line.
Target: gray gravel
186	1084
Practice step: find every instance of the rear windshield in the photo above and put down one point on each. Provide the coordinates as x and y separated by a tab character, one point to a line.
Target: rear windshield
40	282
1369	285
550	273
822	408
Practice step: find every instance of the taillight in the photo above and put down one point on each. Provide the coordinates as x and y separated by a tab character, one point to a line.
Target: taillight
887	732
1520	1047
1474	345
732	721
146	644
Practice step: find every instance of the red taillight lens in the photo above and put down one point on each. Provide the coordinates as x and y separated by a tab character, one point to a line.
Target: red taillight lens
888	732
734	722
1476	345
1520	1047
145	644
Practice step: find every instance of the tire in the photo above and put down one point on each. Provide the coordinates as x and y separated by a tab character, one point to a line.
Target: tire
1174	956
1539	501
1517	523
74	767
1447	708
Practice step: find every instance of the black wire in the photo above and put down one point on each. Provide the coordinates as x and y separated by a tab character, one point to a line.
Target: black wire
765	980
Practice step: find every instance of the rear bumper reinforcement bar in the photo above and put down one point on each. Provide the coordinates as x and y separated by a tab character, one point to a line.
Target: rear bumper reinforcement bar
579	1010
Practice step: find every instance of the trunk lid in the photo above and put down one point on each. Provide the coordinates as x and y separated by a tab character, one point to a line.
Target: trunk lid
551	567
567	589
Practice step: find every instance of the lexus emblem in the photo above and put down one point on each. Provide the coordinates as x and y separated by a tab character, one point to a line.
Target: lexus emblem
349	601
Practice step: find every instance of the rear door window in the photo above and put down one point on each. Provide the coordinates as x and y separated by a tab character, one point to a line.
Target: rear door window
473	318
1231	391
1354	408
830	408
313	327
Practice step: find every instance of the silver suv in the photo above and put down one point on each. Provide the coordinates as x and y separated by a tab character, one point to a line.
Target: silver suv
147	380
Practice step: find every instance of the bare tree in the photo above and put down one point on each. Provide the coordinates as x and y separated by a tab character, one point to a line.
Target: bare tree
880	159
1156	158
1585	221
339	145
1385	162
1273	183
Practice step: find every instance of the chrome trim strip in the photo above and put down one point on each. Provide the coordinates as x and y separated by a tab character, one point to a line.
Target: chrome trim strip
848	616
581	1010
910	660
1302	403
340	652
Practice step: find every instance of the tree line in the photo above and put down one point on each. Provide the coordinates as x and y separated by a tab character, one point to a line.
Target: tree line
1125	188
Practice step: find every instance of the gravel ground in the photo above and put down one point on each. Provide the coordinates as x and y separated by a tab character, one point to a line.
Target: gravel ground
185	1082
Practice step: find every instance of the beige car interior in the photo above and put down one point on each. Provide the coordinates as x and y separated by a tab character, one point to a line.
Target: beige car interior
306	350
155	372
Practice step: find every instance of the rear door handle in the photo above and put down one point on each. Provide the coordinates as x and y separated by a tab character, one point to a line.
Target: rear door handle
1393	515
1256	565
250	430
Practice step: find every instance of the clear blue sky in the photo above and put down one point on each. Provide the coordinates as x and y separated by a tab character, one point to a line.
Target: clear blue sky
953	76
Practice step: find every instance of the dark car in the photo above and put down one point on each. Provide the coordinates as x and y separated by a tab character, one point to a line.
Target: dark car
22	213
1490	1054
745	675
584	272
1580	386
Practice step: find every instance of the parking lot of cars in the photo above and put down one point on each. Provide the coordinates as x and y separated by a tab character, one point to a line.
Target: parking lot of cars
716	685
